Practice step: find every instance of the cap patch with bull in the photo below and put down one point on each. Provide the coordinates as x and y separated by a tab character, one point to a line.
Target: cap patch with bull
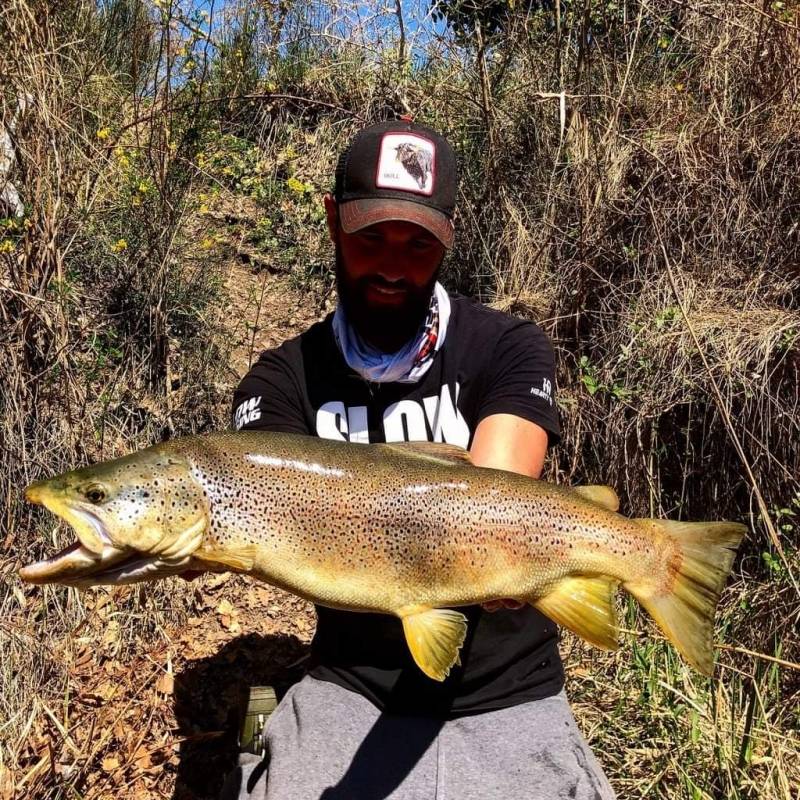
406	162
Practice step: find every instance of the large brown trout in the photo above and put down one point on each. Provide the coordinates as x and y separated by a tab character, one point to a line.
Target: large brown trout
411	530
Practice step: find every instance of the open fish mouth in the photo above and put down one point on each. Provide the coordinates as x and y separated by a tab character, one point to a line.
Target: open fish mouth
93	560
76	566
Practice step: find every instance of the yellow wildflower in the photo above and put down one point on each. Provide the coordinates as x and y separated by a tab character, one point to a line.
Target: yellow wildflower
298	187
119	246
208	243
143	187
136	200
103	134
7	246
203	208
122	157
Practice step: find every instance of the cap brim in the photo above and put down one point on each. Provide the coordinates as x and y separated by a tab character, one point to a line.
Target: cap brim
357	214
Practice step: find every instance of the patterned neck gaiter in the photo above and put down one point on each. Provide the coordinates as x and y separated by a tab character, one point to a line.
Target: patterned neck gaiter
411	361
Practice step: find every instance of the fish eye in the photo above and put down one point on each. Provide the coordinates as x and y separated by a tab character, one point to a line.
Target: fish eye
94	493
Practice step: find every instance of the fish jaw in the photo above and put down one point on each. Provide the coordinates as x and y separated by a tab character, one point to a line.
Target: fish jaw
76	566
72	563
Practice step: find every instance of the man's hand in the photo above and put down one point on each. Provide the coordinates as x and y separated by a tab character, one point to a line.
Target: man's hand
496	605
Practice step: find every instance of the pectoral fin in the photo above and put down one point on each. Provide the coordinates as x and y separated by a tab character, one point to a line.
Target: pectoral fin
603	496
586	607
434	636
240	559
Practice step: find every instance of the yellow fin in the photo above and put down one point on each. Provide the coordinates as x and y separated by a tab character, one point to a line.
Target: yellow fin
603	496
434	636
240	559
685	609
586	607
433	451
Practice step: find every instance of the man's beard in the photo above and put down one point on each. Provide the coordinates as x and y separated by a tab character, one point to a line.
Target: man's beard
387	327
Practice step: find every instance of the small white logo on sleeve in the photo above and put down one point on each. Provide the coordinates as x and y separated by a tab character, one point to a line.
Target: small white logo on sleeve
546	392
247	412
407	162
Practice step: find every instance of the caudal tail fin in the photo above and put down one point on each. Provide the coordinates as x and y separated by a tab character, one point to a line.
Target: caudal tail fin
684	604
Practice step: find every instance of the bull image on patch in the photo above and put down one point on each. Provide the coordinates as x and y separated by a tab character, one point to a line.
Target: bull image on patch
417	162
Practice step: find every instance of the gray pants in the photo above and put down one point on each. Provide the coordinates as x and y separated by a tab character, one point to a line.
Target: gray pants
327	743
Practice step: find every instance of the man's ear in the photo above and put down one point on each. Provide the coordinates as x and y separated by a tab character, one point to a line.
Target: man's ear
332	215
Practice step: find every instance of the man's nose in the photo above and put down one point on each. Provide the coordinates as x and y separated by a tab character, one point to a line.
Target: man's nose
392	268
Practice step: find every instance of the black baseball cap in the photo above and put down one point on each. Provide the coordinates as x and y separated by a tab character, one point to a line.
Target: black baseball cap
398	170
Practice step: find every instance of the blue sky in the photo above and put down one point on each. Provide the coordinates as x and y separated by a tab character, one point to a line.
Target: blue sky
419	25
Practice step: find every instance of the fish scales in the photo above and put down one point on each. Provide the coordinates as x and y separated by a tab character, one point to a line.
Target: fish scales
409	529
416	540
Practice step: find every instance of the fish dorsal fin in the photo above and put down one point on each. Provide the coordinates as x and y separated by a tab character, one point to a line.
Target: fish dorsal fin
434	637
586	607
603	496
433	451
240	558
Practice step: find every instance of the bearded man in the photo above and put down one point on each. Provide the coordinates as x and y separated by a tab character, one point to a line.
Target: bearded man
402	359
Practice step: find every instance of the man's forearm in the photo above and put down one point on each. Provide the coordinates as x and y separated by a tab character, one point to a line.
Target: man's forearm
505	441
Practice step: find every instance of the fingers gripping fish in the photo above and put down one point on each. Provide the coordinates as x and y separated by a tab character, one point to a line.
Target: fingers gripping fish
413	530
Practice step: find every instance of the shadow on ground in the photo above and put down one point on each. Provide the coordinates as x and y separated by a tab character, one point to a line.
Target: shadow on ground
208	696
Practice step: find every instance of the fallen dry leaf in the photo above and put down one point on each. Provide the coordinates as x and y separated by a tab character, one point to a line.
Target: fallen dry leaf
85	656
142	758
216	581
111	632
106	690
110	763
166	683
6	785
225	607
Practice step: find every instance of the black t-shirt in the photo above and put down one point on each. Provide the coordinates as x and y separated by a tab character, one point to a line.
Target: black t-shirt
490	363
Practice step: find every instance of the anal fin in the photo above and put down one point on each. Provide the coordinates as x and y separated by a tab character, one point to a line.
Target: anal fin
434	637
586	607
